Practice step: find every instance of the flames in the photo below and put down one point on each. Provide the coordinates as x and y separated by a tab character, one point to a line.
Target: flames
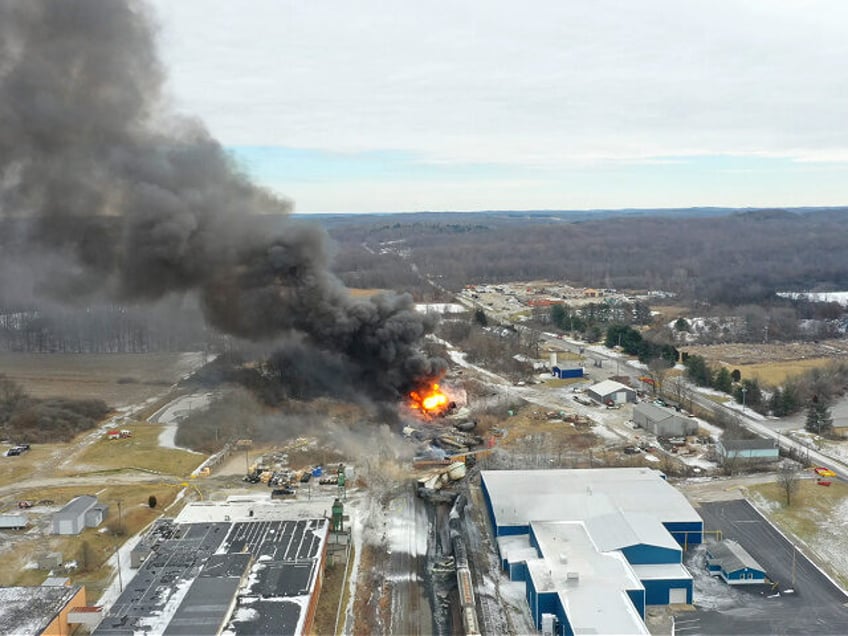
429	401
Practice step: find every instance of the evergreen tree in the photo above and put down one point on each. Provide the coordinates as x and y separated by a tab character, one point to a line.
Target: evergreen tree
722	381
819	419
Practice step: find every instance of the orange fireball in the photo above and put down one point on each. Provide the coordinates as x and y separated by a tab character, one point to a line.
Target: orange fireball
429	401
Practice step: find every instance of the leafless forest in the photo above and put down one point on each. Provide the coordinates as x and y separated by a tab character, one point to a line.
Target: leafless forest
707	257
712	256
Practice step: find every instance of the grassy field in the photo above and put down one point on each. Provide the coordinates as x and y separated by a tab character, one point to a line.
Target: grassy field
91	548
817	517
118	379
775	373
141	451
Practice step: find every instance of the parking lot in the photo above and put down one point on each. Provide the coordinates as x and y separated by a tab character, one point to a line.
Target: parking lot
813	605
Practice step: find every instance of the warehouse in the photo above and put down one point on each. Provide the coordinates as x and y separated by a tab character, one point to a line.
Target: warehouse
731	562
608	391
593	547
662	421
40	610
239	568
78	514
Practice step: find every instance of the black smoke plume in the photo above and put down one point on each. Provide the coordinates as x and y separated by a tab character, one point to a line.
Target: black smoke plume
110	196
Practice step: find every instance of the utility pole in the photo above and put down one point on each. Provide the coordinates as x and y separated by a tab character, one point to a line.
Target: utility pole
118	549
744	393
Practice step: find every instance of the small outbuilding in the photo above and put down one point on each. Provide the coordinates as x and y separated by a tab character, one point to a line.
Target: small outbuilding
78	514
730	561
564	372
13	521
662	421
759	450
610	391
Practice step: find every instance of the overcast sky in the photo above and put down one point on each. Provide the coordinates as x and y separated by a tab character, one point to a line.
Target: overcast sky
562	104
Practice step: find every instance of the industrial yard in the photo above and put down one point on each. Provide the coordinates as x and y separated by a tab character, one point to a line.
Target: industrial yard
232	405
413	549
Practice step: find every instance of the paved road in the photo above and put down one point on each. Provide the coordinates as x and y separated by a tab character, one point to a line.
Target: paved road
817	606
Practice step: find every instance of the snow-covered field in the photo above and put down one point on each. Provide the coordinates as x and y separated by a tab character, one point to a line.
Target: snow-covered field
441	308
840	297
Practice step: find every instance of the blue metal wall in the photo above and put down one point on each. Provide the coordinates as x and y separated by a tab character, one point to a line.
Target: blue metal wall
541	602
738	575
518	571
649	554
637	597
656	590
686	533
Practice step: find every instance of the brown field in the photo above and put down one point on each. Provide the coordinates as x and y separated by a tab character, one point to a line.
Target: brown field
364	293
118	379
775	373
771	364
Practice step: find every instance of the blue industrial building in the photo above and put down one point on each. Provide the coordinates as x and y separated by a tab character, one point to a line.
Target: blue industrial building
593	547
565	372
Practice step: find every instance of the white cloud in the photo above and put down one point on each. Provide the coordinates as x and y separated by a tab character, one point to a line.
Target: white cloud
531	82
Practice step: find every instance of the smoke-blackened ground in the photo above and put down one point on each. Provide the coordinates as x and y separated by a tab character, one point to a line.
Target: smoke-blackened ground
113	197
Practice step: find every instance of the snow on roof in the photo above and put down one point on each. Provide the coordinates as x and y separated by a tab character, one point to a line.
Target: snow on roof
609	386
29	610
592	586
732	556
521	496
516	548
619	530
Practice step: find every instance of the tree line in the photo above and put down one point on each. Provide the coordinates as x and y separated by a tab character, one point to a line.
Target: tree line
24	418
736	258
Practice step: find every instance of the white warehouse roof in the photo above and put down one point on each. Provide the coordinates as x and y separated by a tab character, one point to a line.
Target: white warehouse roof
592	587
521	496
608	387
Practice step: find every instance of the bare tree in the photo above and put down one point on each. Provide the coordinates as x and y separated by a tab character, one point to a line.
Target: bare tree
657	371
788	478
